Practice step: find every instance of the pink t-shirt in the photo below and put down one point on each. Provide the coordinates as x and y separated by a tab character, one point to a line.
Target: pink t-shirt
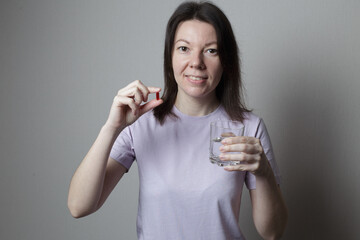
182	195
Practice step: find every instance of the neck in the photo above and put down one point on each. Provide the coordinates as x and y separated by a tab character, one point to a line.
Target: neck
196	106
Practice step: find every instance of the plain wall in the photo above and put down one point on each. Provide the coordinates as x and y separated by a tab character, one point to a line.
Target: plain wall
62	62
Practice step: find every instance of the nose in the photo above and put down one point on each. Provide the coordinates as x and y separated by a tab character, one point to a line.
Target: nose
197	61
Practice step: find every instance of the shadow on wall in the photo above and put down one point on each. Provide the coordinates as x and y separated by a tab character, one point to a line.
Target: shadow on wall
313	186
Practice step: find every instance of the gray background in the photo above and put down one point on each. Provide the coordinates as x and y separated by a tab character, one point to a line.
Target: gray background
62	62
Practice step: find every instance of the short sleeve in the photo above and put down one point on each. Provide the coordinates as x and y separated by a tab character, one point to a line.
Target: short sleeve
123	150
262	134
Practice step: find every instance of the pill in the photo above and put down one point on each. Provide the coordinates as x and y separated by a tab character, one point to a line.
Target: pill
157	96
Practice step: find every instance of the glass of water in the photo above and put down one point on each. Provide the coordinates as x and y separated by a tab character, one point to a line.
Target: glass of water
220	130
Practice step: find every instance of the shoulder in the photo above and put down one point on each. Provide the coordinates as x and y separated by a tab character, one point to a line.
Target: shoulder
146	121
254	125
251	119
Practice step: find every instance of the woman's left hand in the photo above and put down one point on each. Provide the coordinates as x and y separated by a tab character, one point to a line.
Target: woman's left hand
247	150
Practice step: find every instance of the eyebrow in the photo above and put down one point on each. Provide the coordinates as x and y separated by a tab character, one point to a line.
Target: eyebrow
187	42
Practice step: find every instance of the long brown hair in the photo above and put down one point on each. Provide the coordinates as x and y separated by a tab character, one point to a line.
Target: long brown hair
229	90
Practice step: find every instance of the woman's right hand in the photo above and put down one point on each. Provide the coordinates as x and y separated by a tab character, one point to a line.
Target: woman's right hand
127	108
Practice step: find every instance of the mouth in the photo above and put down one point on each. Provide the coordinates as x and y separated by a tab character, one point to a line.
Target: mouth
196	78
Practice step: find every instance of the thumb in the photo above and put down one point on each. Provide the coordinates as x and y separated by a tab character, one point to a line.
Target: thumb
150	105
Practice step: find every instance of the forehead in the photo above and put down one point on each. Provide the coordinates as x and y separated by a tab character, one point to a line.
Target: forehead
195	31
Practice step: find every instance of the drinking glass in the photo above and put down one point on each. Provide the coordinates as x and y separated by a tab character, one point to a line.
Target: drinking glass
220	130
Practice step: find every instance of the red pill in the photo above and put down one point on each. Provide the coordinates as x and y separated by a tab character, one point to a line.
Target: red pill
157	96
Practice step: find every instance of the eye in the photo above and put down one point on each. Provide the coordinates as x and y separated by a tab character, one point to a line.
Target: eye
183	49
212	51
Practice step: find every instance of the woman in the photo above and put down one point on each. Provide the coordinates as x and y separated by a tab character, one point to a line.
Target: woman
182	195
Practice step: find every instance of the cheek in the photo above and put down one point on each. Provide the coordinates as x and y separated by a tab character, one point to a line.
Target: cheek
178	66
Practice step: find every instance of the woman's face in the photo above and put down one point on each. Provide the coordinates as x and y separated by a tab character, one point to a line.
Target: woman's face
195	60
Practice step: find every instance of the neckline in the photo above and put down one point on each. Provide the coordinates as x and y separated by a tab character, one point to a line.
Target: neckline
183	115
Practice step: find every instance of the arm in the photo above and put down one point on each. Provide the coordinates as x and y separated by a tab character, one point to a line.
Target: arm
269	210
98	174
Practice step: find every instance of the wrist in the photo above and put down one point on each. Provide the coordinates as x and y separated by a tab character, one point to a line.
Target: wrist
266	175
265	171
109	129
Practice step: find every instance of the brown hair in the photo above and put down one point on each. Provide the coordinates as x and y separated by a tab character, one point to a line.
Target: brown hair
229	90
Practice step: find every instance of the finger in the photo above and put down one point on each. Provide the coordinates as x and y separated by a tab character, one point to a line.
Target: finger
253	168
134	86
154	89
130	91
150	105
242	157
126	101
240	139
134	91
238	167
136	83
144	91
242	147
228	134
138	97
129	87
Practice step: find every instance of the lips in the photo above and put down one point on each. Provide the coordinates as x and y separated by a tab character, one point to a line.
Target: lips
196	77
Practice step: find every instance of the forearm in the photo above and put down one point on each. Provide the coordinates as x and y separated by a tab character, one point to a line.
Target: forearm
87	183
269	210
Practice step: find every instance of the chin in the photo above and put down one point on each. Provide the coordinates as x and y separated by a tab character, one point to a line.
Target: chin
197	93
